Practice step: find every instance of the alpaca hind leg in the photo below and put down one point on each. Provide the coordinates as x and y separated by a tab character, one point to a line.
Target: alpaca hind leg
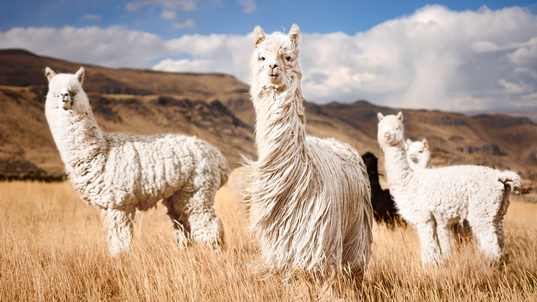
119	225
488	240
430	250
178	219
205	226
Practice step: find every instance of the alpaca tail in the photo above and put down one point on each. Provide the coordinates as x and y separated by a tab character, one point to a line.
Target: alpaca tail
511	179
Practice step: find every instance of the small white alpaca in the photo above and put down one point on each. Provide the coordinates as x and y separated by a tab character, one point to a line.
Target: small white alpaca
434	199
310	197
120	172
418	154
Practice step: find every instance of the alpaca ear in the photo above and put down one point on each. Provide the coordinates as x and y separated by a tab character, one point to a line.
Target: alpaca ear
259	35
49	73
80	75
380	116
294	34
408	142
400	115
425	143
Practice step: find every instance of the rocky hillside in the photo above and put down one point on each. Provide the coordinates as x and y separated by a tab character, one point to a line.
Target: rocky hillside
217	108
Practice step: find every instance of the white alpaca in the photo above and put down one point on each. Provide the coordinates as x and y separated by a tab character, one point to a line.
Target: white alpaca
433	199
310	197
418	154
120	172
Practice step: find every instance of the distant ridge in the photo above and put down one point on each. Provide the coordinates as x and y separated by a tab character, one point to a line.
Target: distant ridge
217	108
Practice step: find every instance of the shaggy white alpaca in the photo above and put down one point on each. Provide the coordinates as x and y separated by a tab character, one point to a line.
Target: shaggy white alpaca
433	199
418	154
310	197
120	172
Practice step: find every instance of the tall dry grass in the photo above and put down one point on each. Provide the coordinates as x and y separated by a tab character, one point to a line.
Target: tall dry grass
52	248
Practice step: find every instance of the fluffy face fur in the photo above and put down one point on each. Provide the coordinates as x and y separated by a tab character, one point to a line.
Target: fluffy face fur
275	58
390	129
418	154
65	89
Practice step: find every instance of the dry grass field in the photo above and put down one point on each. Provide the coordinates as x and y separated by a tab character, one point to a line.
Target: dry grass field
52	248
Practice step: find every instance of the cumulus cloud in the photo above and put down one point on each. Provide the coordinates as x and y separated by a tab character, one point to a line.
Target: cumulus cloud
185	5
248	6
189	23
435	58
167	15
91	17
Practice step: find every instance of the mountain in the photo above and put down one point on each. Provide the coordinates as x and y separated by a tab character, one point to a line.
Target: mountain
217	108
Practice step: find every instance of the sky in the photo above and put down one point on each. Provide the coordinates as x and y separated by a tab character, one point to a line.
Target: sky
460	55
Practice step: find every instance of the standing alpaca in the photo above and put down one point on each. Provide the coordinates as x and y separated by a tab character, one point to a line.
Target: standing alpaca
418	154
120	172
310	197
433	199
384	209
419	157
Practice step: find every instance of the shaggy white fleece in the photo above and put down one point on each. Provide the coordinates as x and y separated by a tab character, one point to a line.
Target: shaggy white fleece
434	199
120	172
310	197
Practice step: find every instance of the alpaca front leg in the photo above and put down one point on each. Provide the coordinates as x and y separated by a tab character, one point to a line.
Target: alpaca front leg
430	250
445	238
119	225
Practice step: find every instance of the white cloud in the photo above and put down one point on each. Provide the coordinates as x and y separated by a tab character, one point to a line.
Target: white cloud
249	6
167	15
185	5
189	23
91	17
435	58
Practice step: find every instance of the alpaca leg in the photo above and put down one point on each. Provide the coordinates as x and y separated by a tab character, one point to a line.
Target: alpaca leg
489	241
119	225
205	226
445	238
430	250
178	219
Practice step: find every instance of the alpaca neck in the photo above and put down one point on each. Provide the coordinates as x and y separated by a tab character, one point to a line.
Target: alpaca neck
397	167
77	137
280	130
374	181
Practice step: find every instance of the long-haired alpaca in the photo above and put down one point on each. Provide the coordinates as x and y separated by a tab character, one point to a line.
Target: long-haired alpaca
310	200
433	199
120	172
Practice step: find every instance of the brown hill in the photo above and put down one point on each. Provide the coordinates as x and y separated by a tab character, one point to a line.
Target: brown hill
217	108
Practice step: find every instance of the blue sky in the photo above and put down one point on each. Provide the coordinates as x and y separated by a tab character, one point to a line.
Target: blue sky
449	55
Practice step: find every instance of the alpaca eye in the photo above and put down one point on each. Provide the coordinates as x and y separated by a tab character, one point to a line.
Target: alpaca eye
262	58
288	58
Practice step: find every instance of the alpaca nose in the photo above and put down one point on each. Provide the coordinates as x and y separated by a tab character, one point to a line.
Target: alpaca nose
273	65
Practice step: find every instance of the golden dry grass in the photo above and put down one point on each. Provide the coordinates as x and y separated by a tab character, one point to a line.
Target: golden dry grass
52	248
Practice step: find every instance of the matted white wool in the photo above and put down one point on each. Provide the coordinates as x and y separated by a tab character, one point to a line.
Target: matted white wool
432	200
309	197
120	172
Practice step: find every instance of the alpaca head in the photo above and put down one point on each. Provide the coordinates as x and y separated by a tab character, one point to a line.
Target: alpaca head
390	129
418	153
275	59
371	162
65	90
